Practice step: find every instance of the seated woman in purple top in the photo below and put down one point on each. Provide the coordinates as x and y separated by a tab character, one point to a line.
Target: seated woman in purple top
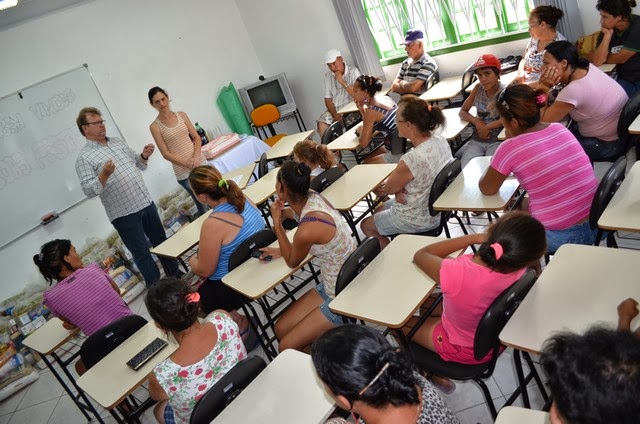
83	296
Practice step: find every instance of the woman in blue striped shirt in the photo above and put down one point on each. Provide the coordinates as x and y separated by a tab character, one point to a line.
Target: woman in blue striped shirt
378	120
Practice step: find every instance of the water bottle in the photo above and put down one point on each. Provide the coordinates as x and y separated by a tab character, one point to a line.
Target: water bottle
202	134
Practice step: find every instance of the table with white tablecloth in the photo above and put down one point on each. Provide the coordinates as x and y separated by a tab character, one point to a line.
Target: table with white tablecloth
242	154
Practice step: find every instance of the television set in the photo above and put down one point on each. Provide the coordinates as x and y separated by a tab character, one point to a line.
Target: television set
274	90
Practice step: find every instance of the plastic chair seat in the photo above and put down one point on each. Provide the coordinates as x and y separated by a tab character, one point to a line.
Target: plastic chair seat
265	116
326	178
226	389
109	337
271	141
453	370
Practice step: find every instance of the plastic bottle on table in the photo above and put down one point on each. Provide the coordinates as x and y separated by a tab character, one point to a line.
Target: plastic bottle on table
202	134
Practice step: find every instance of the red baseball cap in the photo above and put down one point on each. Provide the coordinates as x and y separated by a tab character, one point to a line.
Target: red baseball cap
486	61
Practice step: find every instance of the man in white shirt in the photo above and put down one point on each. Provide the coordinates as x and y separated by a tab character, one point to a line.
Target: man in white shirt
338	88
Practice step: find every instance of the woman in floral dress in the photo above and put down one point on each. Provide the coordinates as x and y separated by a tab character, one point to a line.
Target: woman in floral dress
207	349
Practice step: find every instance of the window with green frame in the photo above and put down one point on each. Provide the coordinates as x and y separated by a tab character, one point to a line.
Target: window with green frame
445	23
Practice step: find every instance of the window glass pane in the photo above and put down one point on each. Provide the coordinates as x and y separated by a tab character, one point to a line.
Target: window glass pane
444	22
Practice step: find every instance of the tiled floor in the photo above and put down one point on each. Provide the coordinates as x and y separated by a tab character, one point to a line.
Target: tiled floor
44	401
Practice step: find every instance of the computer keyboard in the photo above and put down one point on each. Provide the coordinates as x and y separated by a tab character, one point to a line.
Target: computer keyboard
146	353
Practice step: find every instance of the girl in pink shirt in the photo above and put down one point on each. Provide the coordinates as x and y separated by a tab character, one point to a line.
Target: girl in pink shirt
470	283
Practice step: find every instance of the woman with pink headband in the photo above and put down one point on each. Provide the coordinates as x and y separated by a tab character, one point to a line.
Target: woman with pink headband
206	351
470	283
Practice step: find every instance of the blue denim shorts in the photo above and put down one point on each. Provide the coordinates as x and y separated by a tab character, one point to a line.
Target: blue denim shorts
324	307
577	234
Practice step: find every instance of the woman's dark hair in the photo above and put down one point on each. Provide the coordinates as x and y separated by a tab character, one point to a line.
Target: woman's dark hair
594	378
314	153
155	90
369	83
168	305
522	238
549	14
521	102
207	180
617	7
50	261
348	358
420	113
296	177
564	50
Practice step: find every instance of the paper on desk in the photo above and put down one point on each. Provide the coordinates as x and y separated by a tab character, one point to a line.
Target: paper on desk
237	179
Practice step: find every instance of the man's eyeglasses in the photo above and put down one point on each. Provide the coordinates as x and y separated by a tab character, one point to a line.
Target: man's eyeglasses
95	123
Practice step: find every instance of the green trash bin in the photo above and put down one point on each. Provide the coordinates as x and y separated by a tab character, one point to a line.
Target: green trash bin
231	107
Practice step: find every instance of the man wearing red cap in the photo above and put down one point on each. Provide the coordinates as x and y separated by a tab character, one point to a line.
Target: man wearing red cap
417	68
486	124
338	91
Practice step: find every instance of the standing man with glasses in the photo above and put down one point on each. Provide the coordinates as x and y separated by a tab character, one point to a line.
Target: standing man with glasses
109	168
417	68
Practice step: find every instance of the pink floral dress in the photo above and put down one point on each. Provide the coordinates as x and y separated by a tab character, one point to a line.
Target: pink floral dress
186	385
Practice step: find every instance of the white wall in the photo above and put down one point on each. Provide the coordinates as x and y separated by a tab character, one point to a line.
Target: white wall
192	48
292	37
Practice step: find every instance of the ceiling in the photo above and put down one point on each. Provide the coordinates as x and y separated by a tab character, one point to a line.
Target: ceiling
29	9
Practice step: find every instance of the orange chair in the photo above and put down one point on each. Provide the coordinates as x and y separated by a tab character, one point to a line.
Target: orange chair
265	116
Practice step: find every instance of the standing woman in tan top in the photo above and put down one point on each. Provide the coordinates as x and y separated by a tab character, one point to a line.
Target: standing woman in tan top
177	139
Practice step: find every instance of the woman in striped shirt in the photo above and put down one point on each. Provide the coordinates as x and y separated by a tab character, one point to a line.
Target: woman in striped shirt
378	119
177	140
549	163
81	296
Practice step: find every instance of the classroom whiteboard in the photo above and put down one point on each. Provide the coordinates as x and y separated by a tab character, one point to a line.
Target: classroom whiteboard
39	143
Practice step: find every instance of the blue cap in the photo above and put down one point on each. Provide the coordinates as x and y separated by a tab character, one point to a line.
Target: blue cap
413	35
